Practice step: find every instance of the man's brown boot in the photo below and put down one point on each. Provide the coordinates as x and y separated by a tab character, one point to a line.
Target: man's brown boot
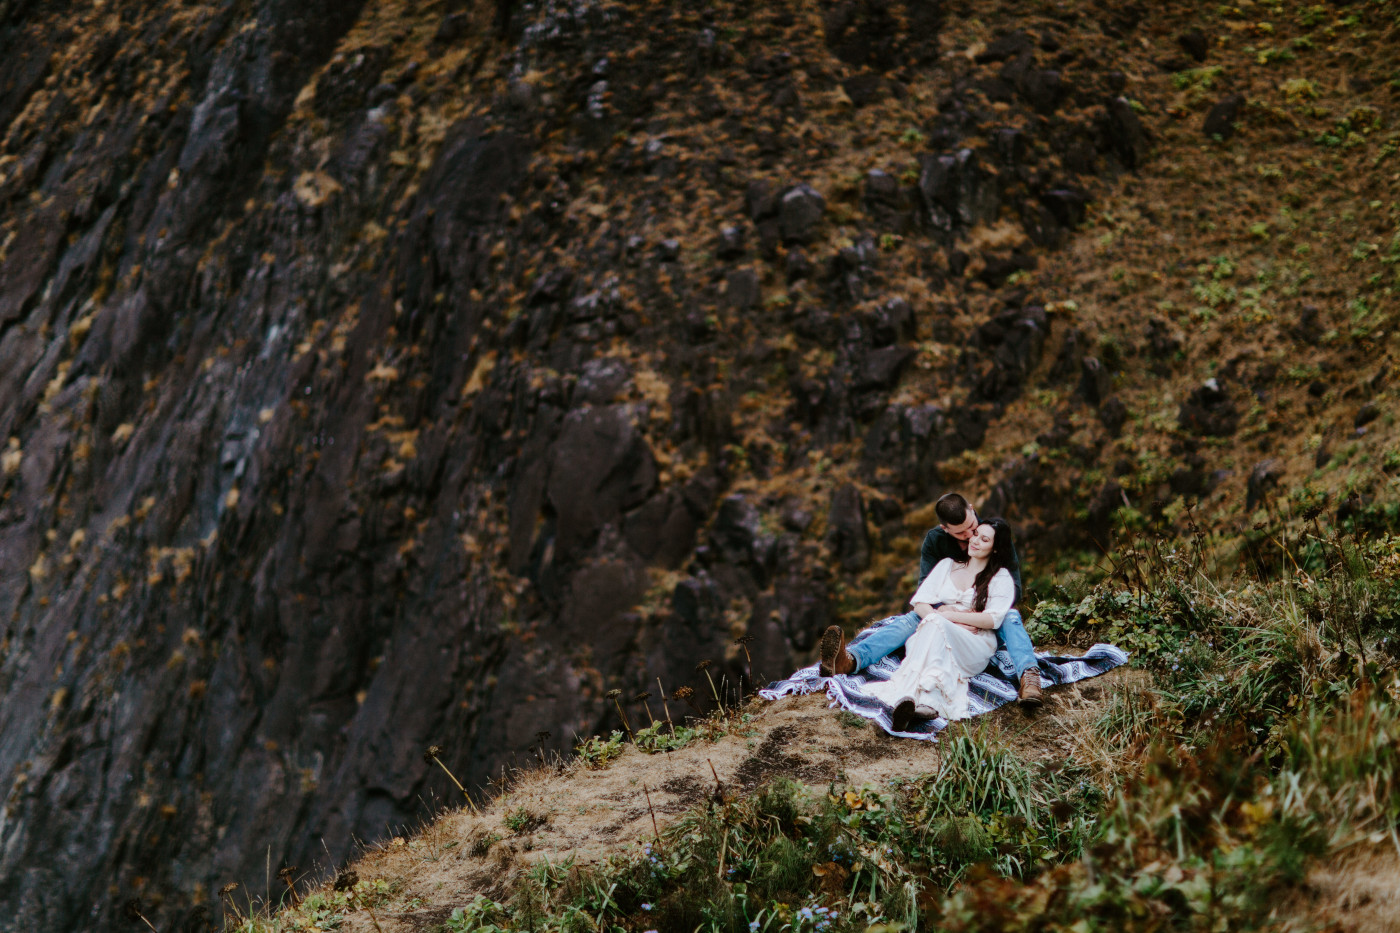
835	658
1030	688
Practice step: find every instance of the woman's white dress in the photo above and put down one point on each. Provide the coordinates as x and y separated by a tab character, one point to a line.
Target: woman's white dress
941	657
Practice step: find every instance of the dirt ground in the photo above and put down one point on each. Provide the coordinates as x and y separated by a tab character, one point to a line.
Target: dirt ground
589	814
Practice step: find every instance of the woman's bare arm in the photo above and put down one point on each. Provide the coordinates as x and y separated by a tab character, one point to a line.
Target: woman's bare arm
981	620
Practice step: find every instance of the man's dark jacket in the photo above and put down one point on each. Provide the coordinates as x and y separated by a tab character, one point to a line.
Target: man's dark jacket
938	544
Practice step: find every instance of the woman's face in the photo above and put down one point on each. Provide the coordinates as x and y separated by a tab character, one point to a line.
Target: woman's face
980	544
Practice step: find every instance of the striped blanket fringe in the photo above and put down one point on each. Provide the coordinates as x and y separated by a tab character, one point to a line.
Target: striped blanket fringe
994	687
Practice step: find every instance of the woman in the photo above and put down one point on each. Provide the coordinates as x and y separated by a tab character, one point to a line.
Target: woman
960	605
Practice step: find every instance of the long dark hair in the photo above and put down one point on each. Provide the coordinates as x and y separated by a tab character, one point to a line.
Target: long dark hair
999	559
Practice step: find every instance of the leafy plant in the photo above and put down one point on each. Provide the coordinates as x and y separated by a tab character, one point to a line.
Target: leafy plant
658	737
597	752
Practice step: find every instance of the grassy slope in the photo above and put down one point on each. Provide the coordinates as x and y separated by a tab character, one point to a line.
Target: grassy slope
1245	774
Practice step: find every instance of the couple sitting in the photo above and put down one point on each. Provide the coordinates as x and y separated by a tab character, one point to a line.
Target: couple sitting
971	580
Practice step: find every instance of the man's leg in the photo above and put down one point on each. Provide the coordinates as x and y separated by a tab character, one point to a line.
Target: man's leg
1013	637
882	640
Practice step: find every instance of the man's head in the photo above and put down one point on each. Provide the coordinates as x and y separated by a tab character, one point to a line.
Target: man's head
956	516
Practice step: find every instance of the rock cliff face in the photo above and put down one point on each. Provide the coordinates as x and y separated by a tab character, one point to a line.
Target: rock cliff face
376	375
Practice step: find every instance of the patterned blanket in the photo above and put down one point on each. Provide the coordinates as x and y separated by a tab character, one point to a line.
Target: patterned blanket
992	688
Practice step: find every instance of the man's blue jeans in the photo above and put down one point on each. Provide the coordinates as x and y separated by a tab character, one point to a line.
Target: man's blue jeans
894	633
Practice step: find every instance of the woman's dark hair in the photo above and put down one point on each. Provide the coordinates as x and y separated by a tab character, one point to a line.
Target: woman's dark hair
1000	558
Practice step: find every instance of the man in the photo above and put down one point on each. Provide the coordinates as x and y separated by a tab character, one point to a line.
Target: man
957	522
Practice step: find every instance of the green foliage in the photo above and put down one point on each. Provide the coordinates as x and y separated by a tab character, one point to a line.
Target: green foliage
480	916
658	737
1202	78
320	910
596	752
522	820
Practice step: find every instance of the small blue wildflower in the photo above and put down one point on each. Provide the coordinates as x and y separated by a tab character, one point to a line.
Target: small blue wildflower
753	926
646	907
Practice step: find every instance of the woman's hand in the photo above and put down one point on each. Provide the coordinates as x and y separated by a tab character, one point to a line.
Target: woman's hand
971	628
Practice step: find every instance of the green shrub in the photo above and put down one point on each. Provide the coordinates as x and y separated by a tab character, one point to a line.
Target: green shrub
596	752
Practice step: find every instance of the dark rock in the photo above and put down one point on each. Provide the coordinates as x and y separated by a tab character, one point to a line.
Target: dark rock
602	380
668	250
957	191
888	203
1044	90
1070	356
700	493
741	289
863	89
761	199
1011	144
997	269
1067	205
740	540
1162	344
1113	413
1317	388
880	369
847	535
1125	133
697	601
1190	482
599	466
1366	414
796	265
1014	340
521	94
1095	381
957	262
862	34
800	211
706	417
730	243
662	530
816	323
797	519
1220	122
1010	45
1194	43
1208	412
454	26
1263	478
551	286
600	594
1098	525
892	321
1308	327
